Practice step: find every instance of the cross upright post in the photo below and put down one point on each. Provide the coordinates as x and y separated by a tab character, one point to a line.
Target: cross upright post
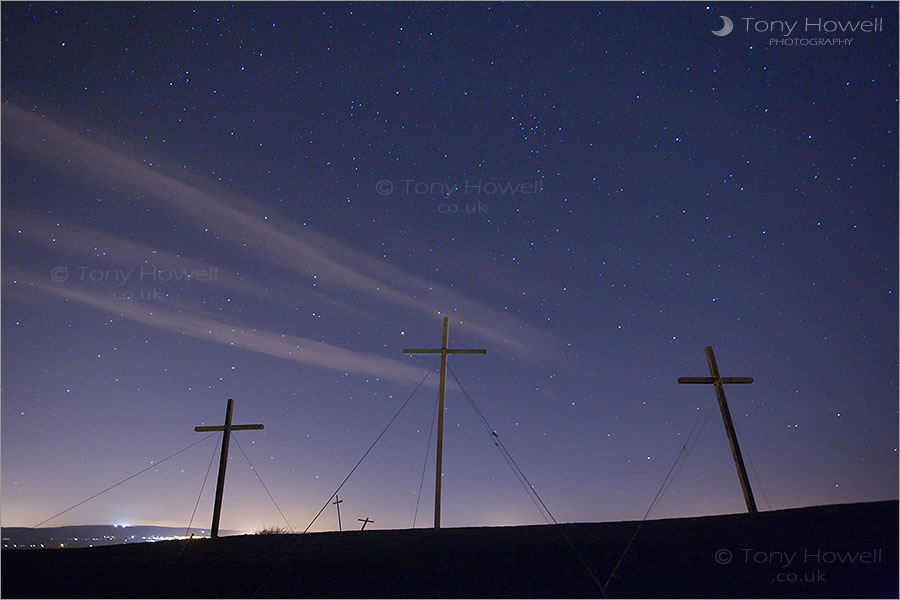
718	383
444	351
337	504
223	460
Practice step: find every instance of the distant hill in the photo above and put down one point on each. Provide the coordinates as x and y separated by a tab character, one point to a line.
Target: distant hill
85	536
839	551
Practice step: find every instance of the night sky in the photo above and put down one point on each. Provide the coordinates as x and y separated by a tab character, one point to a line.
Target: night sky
591	192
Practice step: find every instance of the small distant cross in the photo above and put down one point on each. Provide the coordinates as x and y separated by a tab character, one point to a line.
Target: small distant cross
365	522
227	428
718	383
337	504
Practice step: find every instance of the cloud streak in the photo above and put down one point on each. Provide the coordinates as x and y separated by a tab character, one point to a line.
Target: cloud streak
94	250
288	347
296	251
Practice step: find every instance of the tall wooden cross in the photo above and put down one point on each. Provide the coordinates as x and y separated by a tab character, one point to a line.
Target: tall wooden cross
227	428
718	383
443	351
337	503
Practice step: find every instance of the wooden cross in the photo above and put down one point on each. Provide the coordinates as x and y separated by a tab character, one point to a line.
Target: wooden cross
337	503
443	351
227	428
718	383
365	522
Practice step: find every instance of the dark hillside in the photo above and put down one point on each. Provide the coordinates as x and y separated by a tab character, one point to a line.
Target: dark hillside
827	551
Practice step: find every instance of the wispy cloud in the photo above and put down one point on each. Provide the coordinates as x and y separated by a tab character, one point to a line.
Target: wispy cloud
88	250
297	252
191	323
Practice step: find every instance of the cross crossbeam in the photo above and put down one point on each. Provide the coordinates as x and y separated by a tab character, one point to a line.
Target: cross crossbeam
227	428
444	351
719	380
718	383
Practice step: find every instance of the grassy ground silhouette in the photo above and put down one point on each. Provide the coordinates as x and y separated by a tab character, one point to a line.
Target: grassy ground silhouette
837	551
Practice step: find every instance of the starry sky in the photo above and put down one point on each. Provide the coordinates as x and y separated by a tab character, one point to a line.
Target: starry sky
268	202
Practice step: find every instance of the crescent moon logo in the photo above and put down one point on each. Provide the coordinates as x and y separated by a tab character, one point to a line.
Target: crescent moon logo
727	27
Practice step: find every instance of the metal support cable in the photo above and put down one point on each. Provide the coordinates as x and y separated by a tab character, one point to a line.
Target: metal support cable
499	443
682	455
350	474
200	495
255	472
115	485
425	464
762	489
